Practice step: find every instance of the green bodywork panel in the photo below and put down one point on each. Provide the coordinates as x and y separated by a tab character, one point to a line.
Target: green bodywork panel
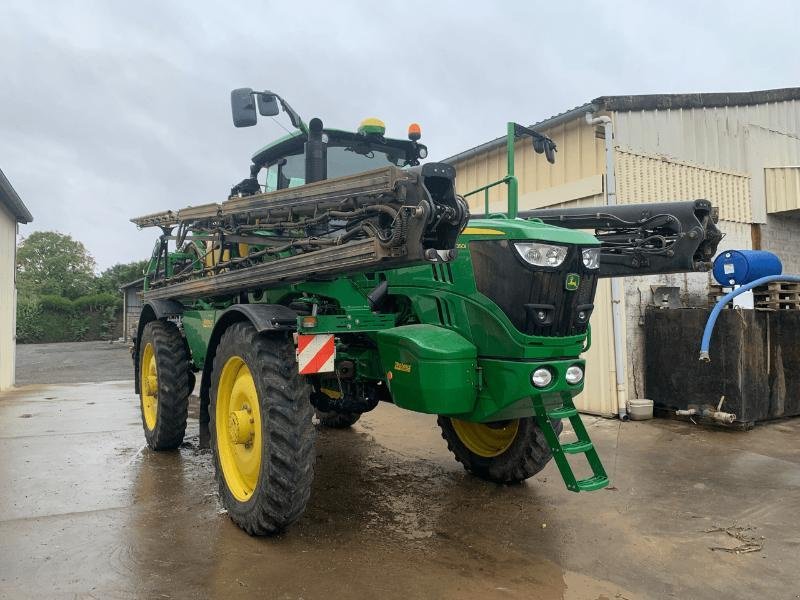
197	326
425	365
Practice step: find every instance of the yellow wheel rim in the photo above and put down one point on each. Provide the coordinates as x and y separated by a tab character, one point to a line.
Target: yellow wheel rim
149	386
486	440
238	429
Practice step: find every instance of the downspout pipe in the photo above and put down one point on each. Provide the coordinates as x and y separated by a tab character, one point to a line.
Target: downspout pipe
712	318
616	286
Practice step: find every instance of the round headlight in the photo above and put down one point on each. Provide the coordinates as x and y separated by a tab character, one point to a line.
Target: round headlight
574	375
541	377
591	258
541	255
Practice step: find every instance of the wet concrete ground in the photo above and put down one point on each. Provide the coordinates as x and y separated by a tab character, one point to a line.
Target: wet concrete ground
86	511
73	362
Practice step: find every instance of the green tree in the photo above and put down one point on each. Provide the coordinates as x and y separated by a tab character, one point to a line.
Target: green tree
120	274
53	263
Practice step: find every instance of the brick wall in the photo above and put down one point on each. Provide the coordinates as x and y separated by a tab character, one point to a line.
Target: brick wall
781	235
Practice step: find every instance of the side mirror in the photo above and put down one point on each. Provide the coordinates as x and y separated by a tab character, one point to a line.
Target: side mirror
268	105
546	145
243	107
541	143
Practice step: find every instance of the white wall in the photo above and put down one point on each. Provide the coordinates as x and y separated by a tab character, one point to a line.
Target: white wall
8	298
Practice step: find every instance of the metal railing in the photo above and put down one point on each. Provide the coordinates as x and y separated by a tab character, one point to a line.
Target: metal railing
510	180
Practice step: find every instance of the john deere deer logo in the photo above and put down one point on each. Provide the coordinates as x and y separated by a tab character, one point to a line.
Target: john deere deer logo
572	282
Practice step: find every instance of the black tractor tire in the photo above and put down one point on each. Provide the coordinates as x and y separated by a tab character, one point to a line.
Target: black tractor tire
527	454
172	369
192	381
337	420
286	469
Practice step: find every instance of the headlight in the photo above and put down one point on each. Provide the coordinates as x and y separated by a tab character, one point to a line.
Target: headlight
574	375
541	255
591	258
541	377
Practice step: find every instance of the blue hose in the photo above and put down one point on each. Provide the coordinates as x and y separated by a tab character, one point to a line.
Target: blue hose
712	318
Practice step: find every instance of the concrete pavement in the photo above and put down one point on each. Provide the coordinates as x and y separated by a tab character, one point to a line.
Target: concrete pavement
86	511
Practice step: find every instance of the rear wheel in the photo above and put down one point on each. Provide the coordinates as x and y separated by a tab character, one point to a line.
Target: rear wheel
261	430
163	385
503	452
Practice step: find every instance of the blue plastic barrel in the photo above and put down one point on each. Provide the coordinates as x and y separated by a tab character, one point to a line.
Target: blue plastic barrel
738	267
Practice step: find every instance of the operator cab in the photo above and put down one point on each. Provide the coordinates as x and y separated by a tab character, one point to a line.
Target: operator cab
313	153
283	164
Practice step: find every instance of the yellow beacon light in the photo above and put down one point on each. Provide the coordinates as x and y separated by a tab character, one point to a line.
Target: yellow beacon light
372	126
414	132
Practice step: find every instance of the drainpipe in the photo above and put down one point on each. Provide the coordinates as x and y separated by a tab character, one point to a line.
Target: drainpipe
616	287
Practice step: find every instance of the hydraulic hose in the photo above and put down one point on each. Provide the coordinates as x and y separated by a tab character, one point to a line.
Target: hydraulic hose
712	318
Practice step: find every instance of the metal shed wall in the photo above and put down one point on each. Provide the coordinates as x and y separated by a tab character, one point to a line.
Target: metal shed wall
599	396
739	139
782	188
8	297
642	178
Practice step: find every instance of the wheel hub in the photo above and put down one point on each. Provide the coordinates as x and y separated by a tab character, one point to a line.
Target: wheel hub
152	385
240	427
149	386
486	440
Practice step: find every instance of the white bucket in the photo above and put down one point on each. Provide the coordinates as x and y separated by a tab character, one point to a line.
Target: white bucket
640	409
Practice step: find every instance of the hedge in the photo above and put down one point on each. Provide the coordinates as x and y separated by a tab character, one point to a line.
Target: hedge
57	319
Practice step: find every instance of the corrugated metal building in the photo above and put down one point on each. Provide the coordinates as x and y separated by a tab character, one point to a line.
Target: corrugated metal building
12	212
739	150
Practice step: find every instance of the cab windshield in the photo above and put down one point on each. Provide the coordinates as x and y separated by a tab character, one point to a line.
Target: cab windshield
342	160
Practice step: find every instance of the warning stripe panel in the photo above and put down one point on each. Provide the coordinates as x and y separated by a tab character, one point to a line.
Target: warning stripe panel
315	353
303	341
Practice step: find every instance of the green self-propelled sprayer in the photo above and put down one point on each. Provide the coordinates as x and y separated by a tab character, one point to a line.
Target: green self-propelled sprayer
342	273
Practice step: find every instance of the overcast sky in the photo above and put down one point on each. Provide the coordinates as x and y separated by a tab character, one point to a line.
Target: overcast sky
112	109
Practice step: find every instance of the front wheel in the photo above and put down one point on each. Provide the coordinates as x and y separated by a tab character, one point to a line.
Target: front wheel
163	385
261	430
503	452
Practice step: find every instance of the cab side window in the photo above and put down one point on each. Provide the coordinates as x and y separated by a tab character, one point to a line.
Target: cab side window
292	172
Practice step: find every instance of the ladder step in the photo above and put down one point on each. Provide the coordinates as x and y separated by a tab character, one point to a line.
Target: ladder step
592	483
562	413
577	447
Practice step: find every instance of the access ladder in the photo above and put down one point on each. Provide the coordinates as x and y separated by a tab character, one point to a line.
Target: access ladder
583	445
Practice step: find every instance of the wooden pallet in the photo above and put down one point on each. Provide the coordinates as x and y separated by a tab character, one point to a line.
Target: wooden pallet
777	295
715	292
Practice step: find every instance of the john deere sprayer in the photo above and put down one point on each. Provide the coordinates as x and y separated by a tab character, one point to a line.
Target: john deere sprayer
342	273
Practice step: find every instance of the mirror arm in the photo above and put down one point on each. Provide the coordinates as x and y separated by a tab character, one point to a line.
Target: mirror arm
297	122
545	144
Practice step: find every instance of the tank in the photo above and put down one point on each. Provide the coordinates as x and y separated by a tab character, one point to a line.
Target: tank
738	267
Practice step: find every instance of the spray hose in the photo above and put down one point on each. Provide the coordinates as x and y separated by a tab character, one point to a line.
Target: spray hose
712	318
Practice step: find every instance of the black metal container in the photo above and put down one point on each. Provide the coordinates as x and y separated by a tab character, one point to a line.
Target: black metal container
755	363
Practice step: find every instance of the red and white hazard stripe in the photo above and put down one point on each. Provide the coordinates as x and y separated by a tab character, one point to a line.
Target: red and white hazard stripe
315	353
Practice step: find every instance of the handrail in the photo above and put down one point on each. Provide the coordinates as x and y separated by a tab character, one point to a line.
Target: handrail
510	180
485	189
